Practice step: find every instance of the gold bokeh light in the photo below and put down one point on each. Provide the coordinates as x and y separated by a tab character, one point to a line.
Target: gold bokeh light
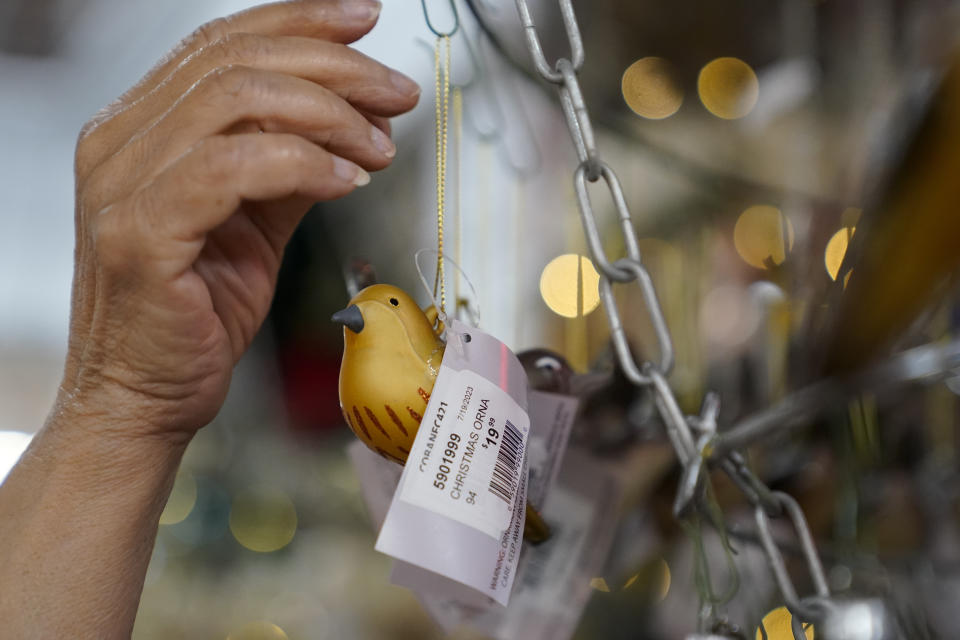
650	88
600	584
665	580
763	236
570	285
182	499
263	521
778	626
728	88
259	630
836	250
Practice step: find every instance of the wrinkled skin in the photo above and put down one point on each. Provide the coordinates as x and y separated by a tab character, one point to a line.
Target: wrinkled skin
184	208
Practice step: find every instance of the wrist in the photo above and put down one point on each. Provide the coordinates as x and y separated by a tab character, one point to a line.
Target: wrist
78	517
109	411
112	430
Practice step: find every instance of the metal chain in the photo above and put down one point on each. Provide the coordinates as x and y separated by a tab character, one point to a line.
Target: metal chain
692	452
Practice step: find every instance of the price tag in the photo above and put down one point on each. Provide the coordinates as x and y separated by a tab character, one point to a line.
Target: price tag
468	466
553	578
459	508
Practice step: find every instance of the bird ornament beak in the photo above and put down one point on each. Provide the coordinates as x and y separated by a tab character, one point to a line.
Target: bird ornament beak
350	317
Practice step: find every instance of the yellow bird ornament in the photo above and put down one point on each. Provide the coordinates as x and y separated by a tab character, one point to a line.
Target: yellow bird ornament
391	358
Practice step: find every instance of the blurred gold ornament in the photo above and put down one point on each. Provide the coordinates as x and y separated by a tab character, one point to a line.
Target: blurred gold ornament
763	236
728	88
650	88
391	358
570	286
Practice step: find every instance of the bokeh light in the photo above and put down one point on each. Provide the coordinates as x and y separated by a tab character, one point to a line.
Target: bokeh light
850	216
600	584
208	521
654	579
183	497
570	286
728	88
263	521
763	236
12	446
728	317
259	630
665	580
836	250
778	626
650	88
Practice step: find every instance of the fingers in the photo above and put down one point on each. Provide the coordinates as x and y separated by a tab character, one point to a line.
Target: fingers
342	21
165	223
226	98
365	83
380	123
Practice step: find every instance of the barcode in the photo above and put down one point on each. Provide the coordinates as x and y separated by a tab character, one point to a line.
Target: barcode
504	482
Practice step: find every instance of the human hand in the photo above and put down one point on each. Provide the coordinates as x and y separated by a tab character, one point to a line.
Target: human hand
189	187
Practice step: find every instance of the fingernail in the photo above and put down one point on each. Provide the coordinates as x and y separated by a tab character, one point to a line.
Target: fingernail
361	10
349	172
403	84
383	142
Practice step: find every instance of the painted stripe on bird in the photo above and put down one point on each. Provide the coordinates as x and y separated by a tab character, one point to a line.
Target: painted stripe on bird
396	419
346	418
376	422
363	427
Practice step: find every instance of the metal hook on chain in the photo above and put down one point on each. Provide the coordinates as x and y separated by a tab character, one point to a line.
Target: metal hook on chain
442	34
690	481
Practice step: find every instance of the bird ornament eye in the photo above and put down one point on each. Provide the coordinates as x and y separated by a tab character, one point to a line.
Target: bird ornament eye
394	302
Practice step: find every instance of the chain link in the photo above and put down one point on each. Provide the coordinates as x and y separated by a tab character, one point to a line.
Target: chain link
536	50
693	452
799	522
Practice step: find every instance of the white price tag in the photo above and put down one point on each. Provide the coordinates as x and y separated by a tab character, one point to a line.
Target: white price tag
459	509
468	466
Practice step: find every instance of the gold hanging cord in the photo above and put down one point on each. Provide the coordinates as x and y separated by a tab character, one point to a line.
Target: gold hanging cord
442	78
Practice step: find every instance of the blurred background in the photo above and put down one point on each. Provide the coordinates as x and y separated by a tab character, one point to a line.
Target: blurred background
790	166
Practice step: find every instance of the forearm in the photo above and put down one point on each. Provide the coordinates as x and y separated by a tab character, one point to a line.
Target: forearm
78	520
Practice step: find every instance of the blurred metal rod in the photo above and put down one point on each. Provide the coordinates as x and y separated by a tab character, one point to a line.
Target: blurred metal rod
799	408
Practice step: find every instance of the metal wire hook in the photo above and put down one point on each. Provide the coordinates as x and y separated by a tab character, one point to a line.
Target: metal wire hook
440	34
